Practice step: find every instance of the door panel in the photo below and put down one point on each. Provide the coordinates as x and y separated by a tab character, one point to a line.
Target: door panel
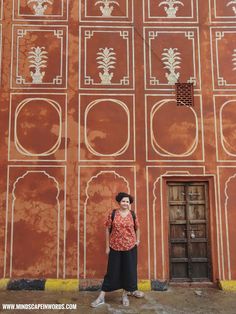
188	231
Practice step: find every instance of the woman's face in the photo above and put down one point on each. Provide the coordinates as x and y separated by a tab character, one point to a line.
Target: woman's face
124	203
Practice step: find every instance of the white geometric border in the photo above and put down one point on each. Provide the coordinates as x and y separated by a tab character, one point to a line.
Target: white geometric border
63	40
116	19
176	20
170	97
130	68
60	225
33	96
215	58
219	19
46	17
220	131
147	51
185	173
98	168
112	98
0	54
225	215
1	9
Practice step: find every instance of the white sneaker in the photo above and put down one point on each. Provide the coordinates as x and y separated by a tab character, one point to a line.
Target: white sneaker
97	302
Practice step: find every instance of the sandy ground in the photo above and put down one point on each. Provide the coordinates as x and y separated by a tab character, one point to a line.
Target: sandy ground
175	300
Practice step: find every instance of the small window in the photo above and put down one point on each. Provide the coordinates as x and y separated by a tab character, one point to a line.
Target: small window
184	94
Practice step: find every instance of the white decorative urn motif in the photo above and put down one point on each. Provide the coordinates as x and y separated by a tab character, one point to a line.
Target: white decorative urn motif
106	8
171	60
38	60
106	60
40	6
232	2
234	60
172	7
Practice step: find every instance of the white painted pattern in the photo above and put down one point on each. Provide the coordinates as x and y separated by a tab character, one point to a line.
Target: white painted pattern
162	151
1	9
223	139
20	16
113	98
149	17
37	60
234	60
219	82
106	61
107	6
62	128
220	169
0	54
218	126
54	148
150	36
126	144
172	60
59	224
171	8
227	224
40	6
199	132
126	17
88	82
60	33
110	170
214	15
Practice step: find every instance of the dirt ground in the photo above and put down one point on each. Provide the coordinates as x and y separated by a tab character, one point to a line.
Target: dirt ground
175	300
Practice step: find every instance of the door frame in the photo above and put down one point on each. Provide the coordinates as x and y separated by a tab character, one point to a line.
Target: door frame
212	225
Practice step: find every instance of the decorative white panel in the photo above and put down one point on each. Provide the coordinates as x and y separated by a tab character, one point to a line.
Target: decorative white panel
223	54
171	56
31	10
222	11
159	11
39	57
120	11
106	58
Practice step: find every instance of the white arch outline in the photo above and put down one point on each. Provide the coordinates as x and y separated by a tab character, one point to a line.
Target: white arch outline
58	216
87	198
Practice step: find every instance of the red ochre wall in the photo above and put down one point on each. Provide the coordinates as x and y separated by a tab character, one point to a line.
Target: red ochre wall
69	143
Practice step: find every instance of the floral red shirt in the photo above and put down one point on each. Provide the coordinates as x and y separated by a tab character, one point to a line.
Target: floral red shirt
123	236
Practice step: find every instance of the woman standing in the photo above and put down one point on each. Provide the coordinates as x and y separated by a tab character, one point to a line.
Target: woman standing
122	239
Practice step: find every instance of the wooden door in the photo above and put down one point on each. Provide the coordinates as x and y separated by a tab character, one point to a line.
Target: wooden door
188	231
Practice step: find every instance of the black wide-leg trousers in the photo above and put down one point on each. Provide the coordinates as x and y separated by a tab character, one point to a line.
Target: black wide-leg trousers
121	271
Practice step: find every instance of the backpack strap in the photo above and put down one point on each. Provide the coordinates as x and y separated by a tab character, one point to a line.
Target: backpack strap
134	218
112	218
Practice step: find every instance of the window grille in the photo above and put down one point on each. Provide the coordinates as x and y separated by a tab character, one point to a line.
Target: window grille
184	94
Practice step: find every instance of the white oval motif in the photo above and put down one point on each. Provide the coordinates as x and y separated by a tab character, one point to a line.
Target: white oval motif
154	142
223	138
127	142
18	145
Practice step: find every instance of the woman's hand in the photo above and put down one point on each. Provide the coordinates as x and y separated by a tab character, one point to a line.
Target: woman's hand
107	250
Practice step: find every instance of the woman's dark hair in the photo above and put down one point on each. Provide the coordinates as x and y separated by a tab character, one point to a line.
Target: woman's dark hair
121	195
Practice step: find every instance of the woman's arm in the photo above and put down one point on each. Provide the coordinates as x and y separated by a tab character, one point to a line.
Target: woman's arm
107	240
137	236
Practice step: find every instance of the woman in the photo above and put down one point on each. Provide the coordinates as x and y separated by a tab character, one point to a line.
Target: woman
122	239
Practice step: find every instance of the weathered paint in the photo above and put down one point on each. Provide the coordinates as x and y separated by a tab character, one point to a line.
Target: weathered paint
70	143
62	285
